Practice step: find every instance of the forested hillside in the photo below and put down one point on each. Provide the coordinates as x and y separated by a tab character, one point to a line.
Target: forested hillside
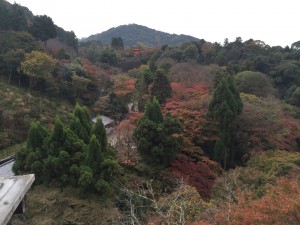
137	35
202	133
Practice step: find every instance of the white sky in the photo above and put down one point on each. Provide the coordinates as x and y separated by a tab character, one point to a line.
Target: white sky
274	22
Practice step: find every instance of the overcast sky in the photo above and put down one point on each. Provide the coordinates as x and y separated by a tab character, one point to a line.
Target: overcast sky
274	22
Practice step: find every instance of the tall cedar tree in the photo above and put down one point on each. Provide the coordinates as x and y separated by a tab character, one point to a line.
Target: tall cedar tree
83	115
99	131
225	107
76	126
94	155
155	137
141	90
161	87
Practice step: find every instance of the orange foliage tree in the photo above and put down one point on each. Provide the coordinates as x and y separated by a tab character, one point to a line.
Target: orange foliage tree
280	206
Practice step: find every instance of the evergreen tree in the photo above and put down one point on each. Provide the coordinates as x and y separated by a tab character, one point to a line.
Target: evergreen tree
78	129
117	42
99	131
155	137
141	90
43	28
161	87
36	136
56	139
83	115
31	157
153	111
225	107
18	21
64	158
116	106
94	155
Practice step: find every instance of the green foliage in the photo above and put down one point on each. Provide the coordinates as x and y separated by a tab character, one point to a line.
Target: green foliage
67	37
286	74
155	136
225	107
12	17
62	156
37	66
99	131
84	118
141	89
86	178
109	57
43	28
12	40
116	107
161	87
190	52
153	111
261	171
91	50
102	186
219	151
57	138
37	134
254	83
226	103
276	163
117	42
293	95
76	126
94	155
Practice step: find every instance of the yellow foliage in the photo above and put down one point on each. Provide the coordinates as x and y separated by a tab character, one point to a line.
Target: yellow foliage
37	65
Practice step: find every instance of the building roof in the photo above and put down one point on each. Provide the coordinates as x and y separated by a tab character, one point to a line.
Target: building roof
105	120
6	167
12	192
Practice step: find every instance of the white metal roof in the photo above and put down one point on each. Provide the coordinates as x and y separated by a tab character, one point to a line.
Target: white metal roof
6	169
12	191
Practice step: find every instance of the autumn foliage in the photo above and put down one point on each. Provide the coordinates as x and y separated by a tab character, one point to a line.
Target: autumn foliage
279	206
189	104
199	173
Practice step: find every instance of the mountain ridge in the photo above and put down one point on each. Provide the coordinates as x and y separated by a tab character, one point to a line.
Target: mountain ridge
134	34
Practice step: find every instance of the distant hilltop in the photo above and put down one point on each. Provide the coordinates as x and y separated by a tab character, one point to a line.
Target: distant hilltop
134	35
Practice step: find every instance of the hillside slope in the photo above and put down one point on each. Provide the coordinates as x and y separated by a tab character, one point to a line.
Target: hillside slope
134	34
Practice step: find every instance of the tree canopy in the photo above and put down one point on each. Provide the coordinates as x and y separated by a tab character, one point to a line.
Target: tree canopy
43	28
161	87
225	107
155	137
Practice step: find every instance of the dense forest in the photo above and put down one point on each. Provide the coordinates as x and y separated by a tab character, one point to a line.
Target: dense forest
203	133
